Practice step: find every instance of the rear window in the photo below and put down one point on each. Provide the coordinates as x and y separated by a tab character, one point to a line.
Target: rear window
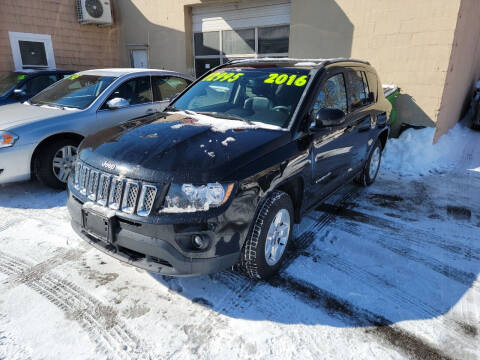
357	89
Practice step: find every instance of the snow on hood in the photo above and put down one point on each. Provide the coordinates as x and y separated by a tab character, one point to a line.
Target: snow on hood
414	154
222	125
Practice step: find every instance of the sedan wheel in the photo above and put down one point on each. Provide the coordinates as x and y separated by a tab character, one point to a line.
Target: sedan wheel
63	162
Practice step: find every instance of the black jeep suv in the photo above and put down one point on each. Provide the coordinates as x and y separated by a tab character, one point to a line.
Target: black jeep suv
237	158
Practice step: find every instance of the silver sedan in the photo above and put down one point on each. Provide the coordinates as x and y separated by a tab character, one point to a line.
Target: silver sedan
40	137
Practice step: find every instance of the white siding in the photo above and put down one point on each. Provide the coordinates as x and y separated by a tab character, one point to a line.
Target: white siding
240	15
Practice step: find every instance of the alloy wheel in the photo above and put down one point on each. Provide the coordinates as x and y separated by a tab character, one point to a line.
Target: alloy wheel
63	162
277	237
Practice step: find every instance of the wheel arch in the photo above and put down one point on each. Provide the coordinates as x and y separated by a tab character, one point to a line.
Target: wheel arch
294	188
48	140
383	137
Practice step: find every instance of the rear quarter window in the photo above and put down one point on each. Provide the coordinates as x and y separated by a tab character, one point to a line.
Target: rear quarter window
372	83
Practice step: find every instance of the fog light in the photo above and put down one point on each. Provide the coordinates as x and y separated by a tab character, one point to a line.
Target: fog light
199	242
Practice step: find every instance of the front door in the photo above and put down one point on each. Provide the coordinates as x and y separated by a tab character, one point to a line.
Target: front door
332	146
138	93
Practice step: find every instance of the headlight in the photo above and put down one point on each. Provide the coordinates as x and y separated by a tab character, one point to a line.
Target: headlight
190	198
7	138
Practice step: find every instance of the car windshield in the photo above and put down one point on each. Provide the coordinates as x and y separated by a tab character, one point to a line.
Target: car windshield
76	91
9	80
265	94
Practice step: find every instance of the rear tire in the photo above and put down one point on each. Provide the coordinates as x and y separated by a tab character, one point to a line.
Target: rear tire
370	171
271	233
53	163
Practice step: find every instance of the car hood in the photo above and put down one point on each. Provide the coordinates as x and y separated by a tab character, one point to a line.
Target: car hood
17	114
178	147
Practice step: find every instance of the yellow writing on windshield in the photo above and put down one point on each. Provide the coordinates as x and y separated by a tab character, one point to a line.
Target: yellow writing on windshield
293	79
223	76
74	76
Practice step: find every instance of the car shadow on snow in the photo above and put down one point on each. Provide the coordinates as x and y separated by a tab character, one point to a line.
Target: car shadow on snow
30	195
383	255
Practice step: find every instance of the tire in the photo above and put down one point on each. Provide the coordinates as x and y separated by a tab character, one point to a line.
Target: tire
368	175
44	163
253	261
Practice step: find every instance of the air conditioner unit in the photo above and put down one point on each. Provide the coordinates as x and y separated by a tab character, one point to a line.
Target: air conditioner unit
94	12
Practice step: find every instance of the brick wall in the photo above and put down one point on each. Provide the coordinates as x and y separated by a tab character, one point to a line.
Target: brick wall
75	46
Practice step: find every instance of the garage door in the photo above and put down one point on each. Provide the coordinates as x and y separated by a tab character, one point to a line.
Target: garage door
239	30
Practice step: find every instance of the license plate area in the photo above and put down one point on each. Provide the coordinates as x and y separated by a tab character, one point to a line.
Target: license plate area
97	225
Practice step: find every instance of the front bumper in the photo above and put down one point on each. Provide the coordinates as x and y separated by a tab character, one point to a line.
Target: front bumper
15	163
160	247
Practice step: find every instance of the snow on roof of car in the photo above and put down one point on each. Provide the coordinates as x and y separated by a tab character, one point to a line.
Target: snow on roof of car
124	71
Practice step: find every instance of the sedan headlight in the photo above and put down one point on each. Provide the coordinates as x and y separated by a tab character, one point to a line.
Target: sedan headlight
7	139
190	198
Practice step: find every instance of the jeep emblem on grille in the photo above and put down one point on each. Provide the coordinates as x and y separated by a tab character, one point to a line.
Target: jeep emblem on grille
108	165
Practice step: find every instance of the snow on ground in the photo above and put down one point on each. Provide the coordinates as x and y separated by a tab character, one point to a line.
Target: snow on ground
388	272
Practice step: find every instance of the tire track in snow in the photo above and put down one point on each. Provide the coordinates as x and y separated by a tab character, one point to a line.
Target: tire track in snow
111	336
353	315
461	276
397	295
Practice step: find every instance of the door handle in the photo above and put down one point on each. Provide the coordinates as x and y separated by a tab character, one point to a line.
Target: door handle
150	111
350	128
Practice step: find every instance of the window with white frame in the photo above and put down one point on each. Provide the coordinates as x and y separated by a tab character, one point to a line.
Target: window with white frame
213	48
31	51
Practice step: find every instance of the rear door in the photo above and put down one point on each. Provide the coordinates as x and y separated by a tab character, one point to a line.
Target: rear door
138	92
360	119
331	147
165	88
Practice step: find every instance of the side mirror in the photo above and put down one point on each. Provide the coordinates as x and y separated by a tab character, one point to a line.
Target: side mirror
328	117
19	93
371	97
117	103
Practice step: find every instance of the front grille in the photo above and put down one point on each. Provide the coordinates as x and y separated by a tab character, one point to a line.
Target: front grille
115	192
130	197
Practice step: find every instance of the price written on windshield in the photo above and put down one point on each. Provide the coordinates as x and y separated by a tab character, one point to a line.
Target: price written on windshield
223	76
276	78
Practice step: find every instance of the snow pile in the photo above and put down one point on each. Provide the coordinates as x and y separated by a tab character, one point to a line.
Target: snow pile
414	154
222	125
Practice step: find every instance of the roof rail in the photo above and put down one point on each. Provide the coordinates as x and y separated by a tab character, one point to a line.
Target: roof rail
317	61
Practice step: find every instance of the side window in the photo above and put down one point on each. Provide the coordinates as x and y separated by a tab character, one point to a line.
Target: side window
372	84
37	84
135	91
165	87
357	94
332	95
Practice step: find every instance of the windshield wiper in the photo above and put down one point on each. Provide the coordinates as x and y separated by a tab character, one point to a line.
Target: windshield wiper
225	116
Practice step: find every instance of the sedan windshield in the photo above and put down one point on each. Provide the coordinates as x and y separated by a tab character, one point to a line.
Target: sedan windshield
77	91
9	80
269	94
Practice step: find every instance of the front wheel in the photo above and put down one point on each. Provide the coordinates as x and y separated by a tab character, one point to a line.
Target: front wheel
265	247
370	171
54	163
